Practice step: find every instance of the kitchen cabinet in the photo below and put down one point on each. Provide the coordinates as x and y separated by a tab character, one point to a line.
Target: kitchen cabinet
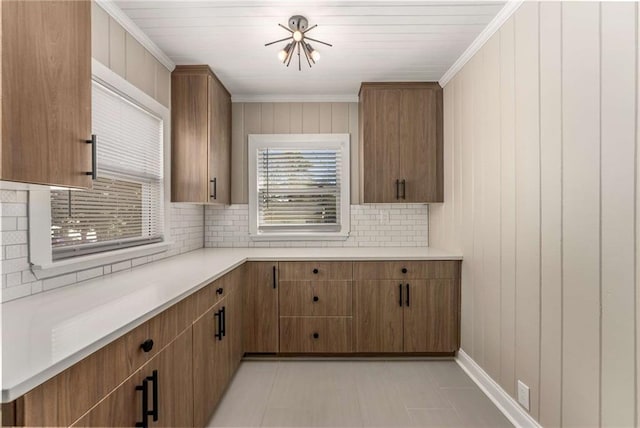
234	324
211	362
165	381
260	306
401	142
46	92
315	307
200	136
406	307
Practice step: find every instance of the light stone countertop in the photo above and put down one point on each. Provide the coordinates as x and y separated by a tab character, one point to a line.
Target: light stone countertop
44	334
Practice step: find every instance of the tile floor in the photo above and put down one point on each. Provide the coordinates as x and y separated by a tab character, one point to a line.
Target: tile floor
433	393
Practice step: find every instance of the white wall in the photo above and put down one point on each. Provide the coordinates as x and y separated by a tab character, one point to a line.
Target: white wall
540	171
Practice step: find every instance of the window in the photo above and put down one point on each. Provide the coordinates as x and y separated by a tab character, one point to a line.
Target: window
299	186
125	206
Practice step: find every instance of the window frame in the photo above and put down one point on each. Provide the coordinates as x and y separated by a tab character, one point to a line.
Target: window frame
40	247
299	141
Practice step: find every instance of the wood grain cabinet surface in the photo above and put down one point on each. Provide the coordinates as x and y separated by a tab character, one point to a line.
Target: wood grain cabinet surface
46	92
401	142
406	307
200	136
260	302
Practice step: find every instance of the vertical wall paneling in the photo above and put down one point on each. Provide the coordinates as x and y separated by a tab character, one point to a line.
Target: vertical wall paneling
238	176
581	214
478	203
507	207
527	151
285	118
117	48
550	215
618	56
99	34
491	218
467	148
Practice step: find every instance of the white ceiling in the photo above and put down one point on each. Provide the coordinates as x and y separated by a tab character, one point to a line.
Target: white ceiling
372	40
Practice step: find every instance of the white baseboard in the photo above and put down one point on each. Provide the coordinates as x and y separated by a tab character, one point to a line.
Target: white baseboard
503	401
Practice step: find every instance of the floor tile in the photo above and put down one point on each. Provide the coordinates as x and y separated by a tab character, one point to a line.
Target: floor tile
435	418
475	409
448	374
414	387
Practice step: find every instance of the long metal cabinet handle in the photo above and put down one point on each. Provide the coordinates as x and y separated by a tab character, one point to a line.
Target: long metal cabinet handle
400	289
154	395
224	321
218	316
145	403
94	156
397	188
275	283
215	188
408	298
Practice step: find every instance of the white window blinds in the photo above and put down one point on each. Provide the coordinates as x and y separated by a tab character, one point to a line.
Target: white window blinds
124	207
299	188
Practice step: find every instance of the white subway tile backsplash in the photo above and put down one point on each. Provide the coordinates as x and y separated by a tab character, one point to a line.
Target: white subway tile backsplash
371	225
185	232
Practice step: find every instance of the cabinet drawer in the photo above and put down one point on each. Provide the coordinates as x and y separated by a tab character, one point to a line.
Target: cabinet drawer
315	271
405	270
315	334
315	298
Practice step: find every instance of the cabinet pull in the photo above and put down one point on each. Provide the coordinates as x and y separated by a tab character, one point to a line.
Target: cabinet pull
315	271
147	345
316	298
94	156
145	403
408	299
224	322
218	316
215	188
274	277
219	290
400	289
154	395
316	335
397	188
404	188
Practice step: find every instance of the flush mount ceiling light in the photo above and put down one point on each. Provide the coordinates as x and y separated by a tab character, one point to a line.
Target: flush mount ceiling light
297	41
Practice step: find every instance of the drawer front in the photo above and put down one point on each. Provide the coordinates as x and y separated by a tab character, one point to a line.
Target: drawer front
315	271
207	297
315	334
410	269
315	298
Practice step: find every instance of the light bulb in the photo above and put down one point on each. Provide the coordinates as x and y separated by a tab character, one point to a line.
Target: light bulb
315	55
282	55
297	36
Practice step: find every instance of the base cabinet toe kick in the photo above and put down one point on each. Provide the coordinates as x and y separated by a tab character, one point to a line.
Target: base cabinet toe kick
172	370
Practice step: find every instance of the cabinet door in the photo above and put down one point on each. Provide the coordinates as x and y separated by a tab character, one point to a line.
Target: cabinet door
46	92
189	136
121	408
219	143
380	116
175	377
261	308
234	328
430	316
421	146
377	316
210	364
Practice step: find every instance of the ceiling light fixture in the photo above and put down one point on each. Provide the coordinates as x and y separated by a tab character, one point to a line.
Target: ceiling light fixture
297	41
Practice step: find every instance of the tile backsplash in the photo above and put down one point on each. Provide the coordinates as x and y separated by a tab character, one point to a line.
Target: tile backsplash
186	232
372	225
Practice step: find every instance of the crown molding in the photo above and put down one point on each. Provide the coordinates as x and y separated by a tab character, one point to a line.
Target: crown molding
294	98
121	18
505	13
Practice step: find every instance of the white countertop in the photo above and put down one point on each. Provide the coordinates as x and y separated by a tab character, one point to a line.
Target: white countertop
46	333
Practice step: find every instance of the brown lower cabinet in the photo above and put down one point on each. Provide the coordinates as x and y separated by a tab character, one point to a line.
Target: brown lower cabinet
260	321
165	382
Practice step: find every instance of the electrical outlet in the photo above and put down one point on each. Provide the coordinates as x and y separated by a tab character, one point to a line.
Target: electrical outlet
523	395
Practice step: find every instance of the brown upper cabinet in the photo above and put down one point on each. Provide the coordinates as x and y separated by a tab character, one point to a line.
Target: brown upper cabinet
200	136
46	92
401	142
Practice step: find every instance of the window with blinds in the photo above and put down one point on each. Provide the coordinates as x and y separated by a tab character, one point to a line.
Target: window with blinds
125	206
300	184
